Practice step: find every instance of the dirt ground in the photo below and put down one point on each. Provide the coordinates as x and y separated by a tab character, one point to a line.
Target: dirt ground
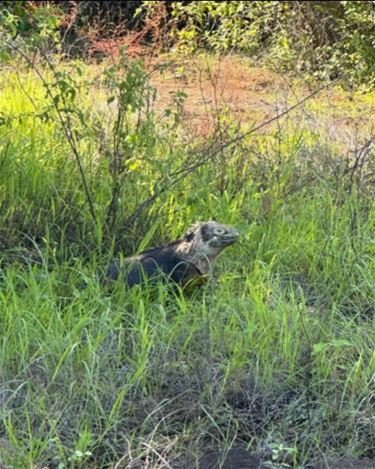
253	95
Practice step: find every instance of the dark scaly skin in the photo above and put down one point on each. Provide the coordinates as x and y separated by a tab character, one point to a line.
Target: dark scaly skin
187	261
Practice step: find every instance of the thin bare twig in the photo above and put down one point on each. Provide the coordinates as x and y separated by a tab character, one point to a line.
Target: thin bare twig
186	170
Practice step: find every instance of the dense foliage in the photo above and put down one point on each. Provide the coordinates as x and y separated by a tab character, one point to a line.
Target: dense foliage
327	39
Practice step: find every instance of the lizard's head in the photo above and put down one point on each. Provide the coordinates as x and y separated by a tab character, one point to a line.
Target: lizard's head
210	238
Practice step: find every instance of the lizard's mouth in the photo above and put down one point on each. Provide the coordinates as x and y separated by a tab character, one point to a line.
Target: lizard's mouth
225	240
230	239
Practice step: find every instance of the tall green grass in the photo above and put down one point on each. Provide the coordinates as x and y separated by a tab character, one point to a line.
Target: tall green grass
278	356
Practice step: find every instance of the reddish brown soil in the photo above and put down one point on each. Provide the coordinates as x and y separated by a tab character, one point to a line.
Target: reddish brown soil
215	86
248	94
254	95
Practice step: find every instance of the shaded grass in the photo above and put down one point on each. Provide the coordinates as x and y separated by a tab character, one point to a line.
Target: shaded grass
278	357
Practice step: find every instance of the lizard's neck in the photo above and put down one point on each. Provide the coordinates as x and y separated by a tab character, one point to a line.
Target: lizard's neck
194	254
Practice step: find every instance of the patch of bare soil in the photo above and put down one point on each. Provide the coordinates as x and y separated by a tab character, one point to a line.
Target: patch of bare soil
233	87
254	95
213	86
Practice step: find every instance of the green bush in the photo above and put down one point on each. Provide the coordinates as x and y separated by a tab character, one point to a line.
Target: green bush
325	39
36	24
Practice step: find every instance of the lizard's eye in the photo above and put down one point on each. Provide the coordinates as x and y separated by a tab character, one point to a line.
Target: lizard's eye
219	231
